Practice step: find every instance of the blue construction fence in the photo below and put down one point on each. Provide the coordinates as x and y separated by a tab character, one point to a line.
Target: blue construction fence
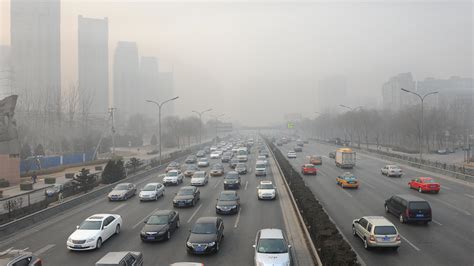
45	162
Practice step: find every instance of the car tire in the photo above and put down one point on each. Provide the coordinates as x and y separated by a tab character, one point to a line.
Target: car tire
386	209
98	244
401	218
117	229
366	244
420	190
217	246
168	235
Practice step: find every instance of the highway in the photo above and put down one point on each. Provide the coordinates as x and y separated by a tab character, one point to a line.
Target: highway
48	239
448	240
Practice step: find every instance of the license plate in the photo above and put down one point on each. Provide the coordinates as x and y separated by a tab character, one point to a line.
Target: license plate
420	215
150	237
199	249
77	246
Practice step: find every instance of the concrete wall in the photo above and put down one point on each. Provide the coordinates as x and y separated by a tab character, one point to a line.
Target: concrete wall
10	169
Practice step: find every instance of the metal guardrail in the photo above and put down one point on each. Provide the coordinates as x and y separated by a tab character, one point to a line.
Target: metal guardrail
307	236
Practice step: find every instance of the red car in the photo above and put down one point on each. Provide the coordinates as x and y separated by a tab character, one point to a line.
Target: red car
424	184
309	169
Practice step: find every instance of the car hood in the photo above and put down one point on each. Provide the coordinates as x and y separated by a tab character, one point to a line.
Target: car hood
170	178
84	234
154	227
197	179
270	259
226	203
202	238
147	193
118	192
184	197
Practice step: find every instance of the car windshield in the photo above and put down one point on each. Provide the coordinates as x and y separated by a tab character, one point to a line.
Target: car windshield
149	188
419	205
349	178
385	230
185	191
226	196
232	176
203	160
90	225
121	187
204	228
173	173
157	219
199	174
266	186
309	166
272	246
260	165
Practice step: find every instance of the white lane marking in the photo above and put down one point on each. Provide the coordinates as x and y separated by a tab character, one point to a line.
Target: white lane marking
445	187
238	219
371	186
118	207
44	249
469	196
436	222
217	183
246	184
143	219
349	194
325	157
194	213
410	243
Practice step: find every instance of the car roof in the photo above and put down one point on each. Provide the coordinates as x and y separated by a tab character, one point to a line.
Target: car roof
378	220
410	197
309	165
123	184
272	233
233	192
161	212
99	216
187	187
424	178
112	258
206	220
200	172
260	162
264	182
174	170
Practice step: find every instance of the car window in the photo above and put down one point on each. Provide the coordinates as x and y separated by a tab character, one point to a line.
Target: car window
204	228
90	225
272	246
129	260
363	222
121	187
185	191
419	205
23	262
157	219
385	230
369	227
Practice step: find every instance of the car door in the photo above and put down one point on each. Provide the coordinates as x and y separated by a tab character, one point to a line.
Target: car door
161	189
111	226
391	205
197	194
361	227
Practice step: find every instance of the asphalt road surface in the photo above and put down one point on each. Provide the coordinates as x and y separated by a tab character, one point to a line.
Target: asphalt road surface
447	240
48	239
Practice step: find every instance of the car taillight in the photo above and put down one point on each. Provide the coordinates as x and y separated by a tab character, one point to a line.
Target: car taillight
372	238
38	262
398	238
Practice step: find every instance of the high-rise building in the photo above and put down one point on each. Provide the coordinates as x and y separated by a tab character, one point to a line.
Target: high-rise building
332	92
149	83
166	91
393	98
35	52
93	62
126	79
5	72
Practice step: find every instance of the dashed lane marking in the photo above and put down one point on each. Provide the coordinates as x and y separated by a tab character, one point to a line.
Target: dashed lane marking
118	207
194	213
44	249
238	219
410	243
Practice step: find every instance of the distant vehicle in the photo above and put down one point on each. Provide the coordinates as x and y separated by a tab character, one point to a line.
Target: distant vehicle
187	196
200	178
203	162
242	154
264	153
291	154
228	202
345	158
214	155
173	177
217	170
95	230
424	184
260	168
232	180
300	143
160	225
316	160
298	149
191	159
122	191
241	168
409	208
19	257
347	180
391	170
121	258
332	155
305	141
376	231
200	154
309	169
151	191
442	151
172	166
263	159
206	236
225	158
266	190
213	148
190	170
271	248
54	190
233	163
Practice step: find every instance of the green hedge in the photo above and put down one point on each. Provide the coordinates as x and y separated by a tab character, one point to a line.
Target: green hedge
26	186
4	183
50	180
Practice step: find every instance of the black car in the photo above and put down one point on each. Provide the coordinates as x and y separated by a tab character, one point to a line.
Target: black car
191	159
241	168
228	202
232	180
205	236
187	196
409	208
298	149
225	158
233	163
264	153
332	155
160	225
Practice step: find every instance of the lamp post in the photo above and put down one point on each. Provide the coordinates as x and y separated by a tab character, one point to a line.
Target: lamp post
216	117
422	99
200	121
159	105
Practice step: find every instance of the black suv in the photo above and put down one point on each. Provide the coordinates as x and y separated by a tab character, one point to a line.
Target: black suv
409	208
205	236
232	180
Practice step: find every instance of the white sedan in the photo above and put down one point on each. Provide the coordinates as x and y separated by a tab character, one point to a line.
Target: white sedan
95	230
199	178
151	191
291	154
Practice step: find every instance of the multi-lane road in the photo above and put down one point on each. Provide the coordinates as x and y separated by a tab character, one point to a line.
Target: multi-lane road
448	240
48	239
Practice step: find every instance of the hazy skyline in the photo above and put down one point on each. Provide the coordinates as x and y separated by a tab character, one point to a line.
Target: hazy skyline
232	56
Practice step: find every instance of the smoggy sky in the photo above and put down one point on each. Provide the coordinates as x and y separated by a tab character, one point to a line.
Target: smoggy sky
257	61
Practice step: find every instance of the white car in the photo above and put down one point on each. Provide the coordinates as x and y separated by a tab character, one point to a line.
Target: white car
263	159
266	190
376	231
214	155
173	177
391	170
200	178
151	191
291	154
203	162
260	168
271	248
94	231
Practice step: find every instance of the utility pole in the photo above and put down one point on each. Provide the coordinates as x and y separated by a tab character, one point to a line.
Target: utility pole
200	122
112	112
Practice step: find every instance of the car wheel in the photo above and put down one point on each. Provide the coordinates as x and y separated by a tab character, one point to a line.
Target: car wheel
402	220
98	243
156	197
342	185
178	224
386	209
168	235
366	244
117	229
217	246
419	190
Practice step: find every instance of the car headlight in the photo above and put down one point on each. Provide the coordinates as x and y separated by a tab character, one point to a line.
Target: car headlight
212	244
175	201
189	200
188	244
69	239
90	240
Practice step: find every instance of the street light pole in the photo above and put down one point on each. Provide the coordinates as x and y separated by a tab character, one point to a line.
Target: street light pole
159	105
200	122
422	99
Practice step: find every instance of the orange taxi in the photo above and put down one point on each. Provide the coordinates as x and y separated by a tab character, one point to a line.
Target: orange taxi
347	180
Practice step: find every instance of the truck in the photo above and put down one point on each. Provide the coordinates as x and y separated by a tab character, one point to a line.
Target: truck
345	158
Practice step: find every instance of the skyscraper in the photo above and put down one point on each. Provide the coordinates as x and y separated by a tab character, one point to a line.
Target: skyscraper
35	52
126	79
393	98
93	61
5	71
149	83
